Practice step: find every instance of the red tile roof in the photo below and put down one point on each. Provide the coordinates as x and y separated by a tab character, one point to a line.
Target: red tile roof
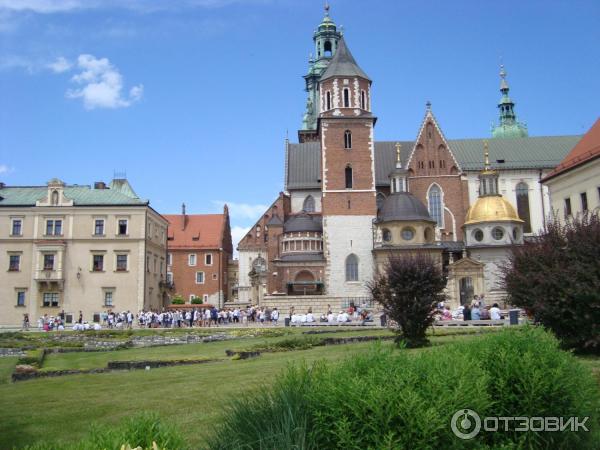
586	149
200	231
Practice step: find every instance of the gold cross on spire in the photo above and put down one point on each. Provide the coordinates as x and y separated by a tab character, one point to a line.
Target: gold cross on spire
486	154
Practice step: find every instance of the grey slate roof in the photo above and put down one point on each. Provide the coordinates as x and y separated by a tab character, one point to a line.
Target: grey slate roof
304	166
542	152
303	222
403	206
81	196
343	64
275	220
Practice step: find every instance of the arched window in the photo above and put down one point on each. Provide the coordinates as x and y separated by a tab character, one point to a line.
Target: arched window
352	267
346	98
523	205
347	139
379	200
348	173
328	95
327	49
363	103
309	204
435	204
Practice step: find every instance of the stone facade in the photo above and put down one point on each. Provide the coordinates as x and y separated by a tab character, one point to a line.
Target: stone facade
67	249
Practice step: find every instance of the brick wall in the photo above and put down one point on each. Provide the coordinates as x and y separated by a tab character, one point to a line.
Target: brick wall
184	275
433	162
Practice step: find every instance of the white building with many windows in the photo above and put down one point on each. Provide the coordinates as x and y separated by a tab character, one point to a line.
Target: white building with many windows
71	248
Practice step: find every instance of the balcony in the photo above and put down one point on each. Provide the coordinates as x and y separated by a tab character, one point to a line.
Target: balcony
49	278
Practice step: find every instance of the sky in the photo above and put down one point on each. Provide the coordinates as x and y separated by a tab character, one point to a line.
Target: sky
193	99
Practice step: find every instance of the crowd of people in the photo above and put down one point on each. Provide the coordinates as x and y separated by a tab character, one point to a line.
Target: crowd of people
200	317
353	314
476	310
207	317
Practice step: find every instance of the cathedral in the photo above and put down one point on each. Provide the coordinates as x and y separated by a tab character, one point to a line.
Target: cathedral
351	202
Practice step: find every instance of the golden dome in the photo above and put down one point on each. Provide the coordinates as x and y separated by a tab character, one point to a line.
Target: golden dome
492	208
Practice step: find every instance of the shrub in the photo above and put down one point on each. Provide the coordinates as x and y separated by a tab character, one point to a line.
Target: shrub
196	301
177	300
33	358
288	344
142	431
409	289
403	399
556	278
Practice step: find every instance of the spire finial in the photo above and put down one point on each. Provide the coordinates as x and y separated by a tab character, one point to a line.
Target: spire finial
502	71
326	8
486	154
428	105
398	162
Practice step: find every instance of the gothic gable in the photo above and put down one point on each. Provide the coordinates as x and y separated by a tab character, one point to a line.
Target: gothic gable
431	155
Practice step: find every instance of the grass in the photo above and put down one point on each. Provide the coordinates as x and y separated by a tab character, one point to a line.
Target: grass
91	360
7	365
192	397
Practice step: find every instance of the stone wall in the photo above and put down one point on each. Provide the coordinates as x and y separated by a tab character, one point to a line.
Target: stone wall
302	303
11	352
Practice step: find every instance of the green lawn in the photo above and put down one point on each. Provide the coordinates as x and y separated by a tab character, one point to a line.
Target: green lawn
91	360
7	366
62	408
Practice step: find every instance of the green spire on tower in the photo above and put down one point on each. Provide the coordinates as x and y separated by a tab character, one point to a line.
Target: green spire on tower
508	127
326	38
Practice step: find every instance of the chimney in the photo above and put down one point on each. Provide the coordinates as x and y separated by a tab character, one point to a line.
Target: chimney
184	218
99	185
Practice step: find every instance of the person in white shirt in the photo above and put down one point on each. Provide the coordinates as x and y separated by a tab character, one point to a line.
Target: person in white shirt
330	317
310	317
495	312
340	317
274	316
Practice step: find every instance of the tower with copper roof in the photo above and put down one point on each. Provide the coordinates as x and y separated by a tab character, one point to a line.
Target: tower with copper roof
326	38
509	126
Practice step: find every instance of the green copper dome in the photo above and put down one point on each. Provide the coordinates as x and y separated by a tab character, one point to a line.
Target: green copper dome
509	126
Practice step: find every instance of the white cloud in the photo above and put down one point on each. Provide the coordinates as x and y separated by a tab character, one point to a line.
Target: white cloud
101	84
243	210
237	233
60	65
5	170
61	6
43	6
9	62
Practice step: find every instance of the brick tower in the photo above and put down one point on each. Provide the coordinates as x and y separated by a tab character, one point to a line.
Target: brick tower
348	174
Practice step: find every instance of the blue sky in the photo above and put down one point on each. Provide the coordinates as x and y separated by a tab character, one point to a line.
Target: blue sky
192	98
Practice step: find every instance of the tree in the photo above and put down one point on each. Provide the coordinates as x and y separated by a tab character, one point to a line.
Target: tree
409	289
556	278
177	300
